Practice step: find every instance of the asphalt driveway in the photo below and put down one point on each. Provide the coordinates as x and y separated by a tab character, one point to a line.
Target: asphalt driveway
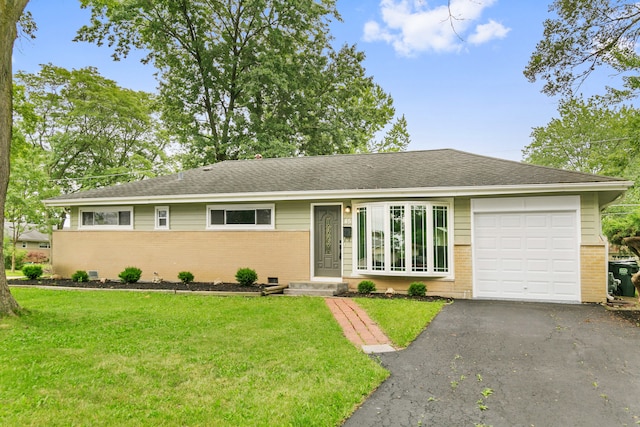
512	364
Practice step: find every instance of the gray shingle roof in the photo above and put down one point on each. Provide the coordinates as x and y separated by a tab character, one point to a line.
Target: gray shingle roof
407	170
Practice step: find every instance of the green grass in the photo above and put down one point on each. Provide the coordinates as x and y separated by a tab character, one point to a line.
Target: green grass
10	273
402	320
125	358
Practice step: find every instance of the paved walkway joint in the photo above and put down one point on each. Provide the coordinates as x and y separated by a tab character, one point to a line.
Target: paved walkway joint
358	326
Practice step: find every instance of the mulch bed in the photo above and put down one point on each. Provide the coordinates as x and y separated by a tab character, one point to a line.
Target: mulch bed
632	316
168	286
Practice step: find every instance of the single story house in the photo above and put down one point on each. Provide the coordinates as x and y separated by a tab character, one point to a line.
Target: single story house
466	225
30	240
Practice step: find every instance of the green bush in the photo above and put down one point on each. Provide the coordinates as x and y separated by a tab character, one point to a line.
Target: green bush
20	259
32	272
246	276
366	287
130	275
185	277
417	289
80	276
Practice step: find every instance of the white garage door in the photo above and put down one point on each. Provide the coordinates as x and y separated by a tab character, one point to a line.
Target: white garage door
526	250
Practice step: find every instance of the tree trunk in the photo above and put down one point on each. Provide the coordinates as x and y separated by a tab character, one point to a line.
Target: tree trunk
10	12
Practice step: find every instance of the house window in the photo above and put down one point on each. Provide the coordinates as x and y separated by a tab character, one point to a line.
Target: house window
23	244
162	218
240	217
107	218
44	245
403	238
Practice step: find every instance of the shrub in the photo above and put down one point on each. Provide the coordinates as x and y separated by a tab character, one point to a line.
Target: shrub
36	257
185	277
246	276
20	259
130	275
32	272
417	289
80	276
366	287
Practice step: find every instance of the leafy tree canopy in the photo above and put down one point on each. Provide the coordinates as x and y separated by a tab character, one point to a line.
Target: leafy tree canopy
585	35
238	78
94	133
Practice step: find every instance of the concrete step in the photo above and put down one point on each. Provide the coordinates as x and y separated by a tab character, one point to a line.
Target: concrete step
316	288
311	292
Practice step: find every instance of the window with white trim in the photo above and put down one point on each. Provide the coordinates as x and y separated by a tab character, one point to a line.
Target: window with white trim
240	217
106	218
44	245
162	218
403	238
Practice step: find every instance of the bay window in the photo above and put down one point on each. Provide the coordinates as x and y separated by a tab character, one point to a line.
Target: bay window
410	238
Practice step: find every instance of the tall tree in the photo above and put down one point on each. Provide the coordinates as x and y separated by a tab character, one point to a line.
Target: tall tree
584	36
10	13
94	132
244	77
588	137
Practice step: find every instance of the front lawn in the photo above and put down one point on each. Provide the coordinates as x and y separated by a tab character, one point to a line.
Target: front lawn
126	358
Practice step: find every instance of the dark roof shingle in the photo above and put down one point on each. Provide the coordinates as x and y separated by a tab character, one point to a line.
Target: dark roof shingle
408	170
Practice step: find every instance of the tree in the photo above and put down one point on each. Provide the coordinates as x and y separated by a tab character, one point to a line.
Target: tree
238	78
588	137
94	132
10	13
586	35
28	186
396	139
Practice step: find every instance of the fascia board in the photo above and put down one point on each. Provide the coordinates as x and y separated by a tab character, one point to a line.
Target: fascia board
346	194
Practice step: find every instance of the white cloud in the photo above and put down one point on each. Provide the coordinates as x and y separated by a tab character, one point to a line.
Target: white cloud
413	26
488	32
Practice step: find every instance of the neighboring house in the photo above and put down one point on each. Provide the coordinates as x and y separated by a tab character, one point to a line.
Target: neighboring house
468	226
31	240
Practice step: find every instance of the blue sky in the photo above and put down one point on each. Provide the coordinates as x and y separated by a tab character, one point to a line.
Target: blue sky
463	91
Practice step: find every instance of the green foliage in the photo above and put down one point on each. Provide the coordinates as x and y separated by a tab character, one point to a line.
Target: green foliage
396	139
588	137
239	78
417	289
12	254
618	226
582	37
366	287
186	277
246	276
130	275
85	126
32	271
80	276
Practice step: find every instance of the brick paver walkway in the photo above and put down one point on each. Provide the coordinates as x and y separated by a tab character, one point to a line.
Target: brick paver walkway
358	326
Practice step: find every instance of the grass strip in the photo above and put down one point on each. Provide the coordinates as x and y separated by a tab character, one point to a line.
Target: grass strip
402	320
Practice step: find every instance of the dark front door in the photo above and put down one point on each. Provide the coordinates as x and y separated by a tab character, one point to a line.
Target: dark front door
327	241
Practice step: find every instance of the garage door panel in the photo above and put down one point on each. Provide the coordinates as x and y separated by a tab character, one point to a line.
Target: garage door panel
528	255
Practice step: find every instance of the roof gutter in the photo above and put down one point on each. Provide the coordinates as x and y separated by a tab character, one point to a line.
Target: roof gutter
466	191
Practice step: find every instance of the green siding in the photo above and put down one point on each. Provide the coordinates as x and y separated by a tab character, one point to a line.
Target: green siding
590	219
462	221
293	216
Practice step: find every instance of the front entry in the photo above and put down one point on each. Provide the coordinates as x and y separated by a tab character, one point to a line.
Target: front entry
327	241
